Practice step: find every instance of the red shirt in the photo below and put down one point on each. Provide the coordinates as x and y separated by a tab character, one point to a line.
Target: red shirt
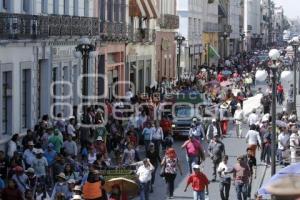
166	125
279	89
198	181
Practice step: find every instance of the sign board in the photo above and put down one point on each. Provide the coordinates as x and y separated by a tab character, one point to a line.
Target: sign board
117	173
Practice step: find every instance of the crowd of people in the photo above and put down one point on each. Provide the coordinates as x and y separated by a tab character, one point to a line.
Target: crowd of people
59	159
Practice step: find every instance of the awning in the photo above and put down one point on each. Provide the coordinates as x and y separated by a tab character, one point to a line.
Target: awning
212	52
142	8
136	9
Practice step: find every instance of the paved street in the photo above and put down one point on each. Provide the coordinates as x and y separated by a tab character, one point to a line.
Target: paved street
234	147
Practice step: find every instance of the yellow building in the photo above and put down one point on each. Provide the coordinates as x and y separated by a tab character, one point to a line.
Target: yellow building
210	40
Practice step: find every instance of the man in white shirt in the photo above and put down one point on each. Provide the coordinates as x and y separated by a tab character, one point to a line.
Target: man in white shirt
239	117
144	176
283	143
157	136
253	138
294	143
225	179
253	118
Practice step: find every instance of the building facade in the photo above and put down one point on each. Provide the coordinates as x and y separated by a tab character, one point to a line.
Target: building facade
252	19
165	43
38	70
234	22
140	50
211	30
191	27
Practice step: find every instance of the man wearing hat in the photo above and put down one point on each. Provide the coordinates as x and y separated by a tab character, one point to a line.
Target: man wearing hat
199	183
28	154
61	187
213	130
40	164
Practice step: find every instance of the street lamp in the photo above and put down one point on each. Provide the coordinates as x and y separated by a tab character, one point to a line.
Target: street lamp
274	56
179	39
225	36
295	44
242	39
85	50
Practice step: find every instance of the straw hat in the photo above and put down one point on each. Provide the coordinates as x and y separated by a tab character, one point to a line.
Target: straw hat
286	186
62	175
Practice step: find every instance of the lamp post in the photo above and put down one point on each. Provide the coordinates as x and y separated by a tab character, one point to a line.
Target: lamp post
242	35
274	56
84	50
179	39
295	43
225	36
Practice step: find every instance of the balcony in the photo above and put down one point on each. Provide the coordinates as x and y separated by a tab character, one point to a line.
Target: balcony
143	35
21	26
169	21
115	32
212	27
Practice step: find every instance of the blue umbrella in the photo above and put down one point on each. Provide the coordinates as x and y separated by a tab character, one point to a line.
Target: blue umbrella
226	72
291	170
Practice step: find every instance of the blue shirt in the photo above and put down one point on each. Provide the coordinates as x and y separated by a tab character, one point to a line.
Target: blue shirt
147	133
50	156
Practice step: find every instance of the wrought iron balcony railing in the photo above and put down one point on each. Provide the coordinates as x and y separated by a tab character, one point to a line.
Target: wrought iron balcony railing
21	26
169	21
144	35
110	31
212	27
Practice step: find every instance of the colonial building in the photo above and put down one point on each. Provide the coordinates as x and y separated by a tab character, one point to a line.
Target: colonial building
252	19
140	50
211	30
167	26
191	27
38	71
234	22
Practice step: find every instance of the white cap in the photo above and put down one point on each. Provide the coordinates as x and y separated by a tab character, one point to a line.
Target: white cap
213	120
76	197
99	138
196	166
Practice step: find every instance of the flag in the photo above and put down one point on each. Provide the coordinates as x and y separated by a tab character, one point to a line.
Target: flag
212	52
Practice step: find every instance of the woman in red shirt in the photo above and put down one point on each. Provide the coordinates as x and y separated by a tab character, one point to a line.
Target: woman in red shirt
280	93
199	183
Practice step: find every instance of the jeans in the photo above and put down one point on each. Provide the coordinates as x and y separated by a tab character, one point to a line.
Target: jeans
170	179
267	153
144	191
146	143
157	144
241	191
224	189
192	160
199	195
216	162
279	156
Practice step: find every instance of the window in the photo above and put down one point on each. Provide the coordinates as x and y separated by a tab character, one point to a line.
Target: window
123	11
7	102
110	10
75	6
55	7
66	7
26	98
102	9
45	6
86	8
116	10
26	6
5	4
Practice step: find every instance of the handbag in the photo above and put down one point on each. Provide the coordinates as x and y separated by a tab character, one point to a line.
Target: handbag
163	169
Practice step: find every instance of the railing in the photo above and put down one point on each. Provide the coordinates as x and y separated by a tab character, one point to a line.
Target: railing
21	26
169	21
110	31
144	35
212	27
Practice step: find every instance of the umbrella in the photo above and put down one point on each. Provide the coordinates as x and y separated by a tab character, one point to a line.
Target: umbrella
126	185
291	170
226	72
281	123
225	83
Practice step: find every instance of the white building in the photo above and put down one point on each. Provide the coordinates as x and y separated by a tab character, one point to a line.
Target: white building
191	27
36	49
252	19
234	22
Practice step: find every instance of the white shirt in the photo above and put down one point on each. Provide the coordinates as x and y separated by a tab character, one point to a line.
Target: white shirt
12	147
71	130
144	173
294	141
252	119
284	139
252	137
227	168
239	115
